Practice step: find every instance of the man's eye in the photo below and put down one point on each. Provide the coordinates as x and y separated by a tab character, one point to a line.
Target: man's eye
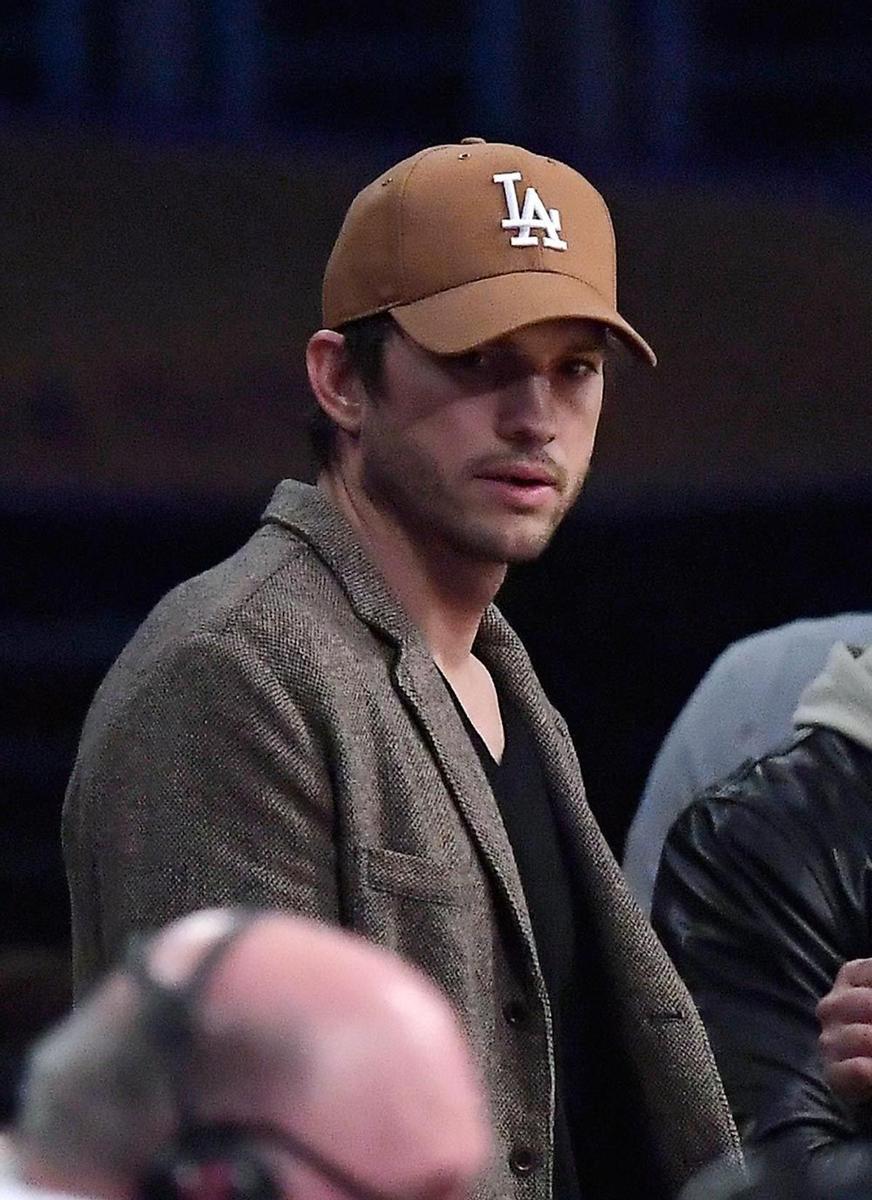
577	368
473	360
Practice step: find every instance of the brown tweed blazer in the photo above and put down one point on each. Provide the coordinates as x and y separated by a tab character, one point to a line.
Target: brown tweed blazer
276	733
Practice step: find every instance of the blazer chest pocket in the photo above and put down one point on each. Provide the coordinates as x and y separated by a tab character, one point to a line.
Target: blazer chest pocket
410	876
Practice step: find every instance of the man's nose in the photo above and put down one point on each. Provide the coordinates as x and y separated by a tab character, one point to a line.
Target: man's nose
527	411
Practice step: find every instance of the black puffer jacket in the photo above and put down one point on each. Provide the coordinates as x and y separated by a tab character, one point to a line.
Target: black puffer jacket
764	890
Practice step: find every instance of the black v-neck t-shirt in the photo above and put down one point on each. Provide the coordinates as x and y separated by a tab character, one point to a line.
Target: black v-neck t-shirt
521	792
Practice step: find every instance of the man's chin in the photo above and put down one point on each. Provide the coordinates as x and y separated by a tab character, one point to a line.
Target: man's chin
502	549
527	552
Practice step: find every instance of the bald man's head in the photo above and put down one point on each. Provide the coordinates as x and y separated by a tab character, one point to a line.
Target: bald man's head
296	1026
386	1086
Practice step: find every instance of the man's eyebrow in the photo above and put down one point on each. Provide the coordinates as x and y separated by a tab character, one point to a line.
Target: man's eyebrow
597	348
575	350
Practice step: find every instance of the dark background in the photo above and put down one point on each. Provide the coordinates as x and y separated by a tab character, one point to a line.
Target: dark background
174	174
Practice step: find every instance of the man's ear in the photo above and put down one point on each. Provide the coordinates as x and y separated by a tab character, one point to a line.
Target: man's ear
334	384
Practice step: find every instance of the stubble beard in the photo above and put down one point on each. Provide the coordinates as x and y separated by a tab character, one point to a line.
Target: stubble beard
423	504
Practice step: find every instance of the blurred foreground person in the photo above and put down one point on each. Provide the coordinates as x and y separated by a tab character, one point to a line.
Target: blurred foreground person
764	892
245	1056
742	709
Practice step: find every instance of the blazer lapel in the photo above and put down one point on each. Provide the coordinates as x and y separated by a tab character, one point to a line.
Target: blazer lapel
626	938
307	510
679	1091
426	694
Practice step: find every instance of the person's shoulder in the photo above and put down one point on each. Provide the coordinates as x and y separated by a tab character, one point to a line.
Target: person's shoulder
798	789
226	595
785	836
756	680
758	654
276	579
744	666
266	602
769	648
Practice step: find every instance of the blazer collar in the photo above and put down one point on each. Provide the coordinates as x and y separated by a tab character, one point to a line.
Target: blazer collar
309	513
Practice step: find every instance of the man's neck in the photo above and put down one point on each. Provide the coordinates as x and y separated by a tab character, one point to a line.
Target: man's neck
442	592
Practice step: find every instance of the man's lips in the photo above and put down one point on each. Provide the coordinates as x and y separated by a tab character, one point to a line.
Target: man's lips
521	474
522	486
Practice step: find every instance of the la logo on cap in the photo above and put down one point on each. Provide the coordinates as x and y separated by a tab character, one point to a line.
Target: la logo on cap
534	216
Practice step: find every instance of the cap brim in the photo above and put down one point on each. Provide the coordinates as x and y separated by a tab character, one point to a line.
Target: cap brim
461	318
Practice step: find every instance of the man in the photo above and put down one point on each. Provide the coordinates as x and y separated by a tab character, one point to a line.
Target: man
236	1057
338	721
742	709
764	892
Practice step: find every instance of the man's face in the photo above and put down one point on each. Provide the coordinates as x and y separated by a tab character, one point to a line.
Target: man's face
485	452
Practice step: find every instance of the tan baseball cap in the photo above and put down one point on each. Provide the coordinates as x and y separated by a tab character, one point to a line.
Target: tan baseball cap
465	243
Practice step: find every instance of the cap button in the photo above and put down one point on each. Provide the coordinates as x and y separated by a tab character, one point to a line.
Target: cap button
472	141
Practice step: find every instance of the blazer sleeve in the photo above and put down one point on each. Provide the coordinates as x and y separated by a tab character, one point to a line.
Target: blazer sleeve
750	906
205	784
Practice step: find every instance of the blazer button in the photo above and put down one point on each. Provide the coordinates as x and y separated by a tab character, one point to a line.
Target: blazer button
516	1012
523	1160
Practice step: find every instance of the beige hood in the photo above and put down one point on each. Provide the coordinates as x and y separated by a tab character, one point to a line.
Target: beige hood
840	697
